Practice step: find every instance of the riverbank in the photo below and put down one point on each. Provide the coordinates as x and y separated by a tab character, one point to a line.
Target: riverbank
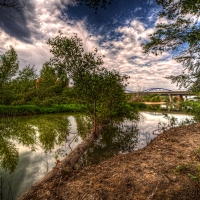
168	168
23	110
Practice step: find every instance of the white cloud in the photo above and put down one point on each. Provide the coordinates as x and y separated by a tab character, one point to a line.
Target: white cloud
144	70
44	22
123	54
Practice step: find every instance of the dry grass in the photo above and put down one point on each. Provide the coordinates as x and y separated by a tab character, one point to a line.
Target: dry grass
168	168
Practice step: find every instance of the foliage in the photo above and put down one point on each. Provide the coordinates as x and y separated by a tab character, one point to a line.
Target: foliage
9	131
138	105
95	4
191	167
101	90
23	87
192	107
47	131
152	98
8	66
116	139
8	69
15	4
179	35
33	109
50	84
171	123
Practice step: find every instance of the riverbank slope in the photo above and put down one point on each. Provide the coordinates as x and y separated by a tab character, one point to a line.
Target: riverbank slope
168	168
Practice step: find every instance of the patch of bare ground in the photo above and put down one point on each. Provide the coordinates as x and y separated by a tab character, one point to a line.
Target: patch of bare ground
168	168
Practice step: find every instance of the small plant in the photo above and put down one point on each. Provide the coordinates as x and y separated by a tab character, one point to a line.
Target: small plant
172	122
180	168
192	176
56	156
197	150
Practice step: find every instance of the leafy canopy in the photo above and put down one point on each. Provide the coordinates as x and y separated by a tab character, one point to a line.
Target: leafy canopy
100	89
95	4
179	35
8	65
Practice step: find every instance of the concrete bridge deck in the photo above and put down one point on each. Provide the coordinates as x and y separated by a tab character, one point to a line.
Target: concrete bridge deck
184	93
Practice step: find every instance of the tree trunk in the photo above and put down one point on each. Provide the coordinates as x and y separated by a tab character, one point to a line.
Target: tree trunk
64	167
95	123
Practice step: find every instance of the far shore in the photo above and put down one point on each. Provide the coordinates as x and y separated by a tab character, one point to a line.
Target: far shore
159	103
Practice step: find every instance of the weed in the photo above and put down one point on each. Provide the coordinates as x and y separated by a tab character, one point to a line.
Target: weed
192	176
33	109
197	150
180	168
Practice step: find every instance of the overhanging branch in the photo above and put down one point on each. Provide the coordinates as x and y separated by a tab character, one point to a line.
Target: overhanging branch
15	4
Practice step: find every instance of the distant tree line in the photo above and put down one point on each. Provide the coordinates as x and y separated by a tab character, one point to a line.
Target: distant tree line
99	90
22	87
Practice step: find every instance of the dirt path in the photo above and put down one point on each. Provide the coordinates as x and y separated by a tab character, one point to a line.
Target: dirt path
168	168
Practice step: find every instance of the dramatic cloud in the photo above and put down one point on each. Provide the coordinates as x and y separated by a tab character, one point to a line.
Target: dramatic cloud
42	20
118	38
126	55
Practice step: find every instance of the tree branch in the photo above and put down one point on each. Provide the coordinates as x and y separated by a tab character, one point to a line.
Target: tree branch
15	4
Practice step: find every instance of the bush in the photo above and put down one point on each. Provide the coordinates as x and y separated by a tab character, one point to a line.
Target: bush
33	109
138	105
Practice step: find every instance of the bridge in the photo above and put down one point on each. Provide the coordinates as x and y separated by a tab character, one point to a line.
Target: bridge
181	94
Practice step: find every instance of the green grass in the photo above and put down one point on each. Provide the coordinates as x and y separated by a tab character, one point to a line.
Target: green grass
33	109
55	108
138	105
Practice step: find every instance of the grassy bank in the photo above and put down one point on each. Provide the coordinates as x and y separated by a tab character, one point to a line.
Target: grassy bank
138	105
33	109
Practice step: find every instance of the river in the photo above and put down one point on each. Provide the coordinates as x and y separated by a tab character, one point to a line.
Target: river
30	146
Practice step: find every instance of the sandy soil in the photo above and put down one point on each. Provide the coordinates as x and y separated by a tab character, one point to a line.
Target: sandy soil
168	169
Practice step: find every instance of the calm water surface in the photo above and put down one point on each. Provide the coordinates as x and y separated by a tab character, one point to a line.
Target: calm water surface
30	146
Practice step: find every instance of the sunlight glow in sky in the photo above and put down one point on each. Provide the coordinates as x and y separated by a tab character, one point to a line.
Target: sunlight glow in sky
117	32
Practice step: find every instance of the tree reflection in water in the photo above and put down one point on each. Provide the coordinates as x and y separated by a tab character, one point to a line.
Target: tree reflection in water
49	135
12	131
45	131
33	133
117	138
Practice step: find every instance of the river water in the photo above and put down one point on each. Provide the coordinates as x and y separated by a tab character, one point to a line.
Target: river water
30	146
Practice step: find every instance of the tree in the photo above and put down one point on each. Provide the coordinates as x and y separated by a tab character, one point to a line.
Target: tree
8	65
180	35
8	69
24	86
90	81
101	90
51	85
46	82
15	4
95	4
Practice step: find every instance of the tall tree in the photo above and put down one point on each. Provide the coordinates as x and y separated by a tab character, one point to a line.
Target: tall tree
46	82
8	65
8	68
24	86
51	84
179	35
95	86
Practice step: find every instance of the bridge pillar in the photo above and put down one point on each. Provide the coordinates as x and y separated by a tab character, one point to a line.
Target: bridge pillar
180	97
170	98
185	98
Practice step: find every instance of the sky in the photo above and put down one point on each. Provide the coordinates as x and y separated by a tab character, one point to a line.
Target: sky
116	32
